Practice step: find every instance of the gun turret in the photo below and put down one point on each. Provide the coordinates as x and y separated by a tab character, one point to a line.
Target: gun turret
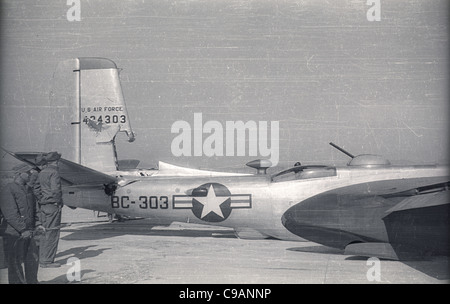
364	160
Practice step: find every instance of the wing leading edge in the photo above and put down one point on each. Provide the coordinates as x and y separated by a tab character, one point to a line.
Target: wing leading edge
394	219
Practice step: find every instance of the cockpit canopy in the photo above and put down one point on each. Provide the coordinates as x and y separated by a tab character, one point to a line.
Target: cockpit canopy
304	172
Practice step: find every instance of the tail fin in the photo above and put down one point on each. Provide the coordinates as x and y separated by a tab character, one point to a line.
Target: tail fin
87	110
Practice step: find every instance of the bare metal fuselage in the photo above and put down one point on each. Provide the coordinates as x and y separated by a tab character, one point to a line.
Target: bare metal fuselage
256	202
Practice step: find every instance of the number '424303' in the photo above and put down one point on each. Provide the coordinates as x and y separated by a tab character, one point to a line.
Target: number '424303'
106	119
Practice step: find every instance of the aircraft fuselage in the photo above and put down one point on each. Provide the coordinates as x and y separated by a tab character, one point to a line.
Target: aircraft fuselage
252	201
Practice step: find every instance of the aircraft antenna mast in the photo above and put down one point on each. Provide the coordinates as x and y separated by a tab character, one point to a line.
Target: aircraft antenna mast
342	150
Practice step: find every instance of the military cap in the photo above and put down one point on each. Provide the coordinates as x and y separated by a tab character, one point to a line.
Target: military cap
52	156
40	159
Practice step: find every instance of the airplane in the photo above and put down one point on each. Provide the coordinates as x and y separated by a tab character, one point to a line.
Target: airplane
369	207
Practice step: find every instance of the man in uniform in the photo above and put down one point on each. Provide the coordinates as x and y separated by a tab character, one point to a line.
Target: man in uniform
50	205
40	163
34	181
18	206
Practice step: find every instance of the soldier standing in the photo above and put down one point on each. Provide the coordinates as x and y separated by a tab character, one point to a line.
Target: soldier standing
51	205
18	206
34	181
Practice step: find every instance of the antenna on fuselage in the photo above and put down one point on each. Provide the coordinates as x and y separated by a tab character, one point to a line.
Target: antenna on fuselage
342	150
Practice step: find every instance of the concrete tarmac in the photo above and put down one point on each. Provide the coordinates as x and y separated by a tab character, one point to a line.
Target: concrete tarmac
137	251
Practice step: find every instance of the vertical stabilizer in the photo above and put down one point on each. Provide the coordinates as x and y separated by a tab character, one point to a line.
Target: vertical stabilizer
87	110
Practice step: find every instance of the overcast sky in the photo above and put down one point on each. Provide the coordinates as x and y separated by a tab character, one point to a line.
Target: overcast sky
319	68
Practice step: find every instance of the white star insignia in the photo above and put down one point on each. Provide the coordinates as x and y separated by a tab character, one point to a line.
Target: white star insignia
211	203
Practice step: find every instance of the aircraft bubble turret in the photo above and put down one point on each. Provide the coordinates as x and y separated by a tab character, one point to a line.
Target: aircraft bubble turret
364	160
368	160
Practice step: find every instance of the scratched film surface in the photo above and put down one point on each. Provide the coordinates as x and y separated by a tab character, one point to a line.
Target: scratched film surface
320	68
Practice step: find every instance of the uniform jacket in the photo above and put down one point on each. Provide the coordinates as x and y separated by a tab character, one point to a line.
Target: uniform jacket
18	206
50	183
35	186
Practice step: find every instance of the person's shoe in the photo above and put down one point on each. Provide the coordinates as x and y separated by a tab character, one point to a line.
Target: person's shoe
50	265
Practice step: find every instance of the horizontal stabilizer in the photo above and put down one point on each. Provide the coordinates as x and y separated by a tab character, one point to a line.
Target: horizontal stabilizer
70	172
81	175
128	164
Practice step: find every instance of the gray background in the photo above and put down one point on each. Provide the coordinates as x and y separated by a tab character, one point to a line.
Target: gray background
320	68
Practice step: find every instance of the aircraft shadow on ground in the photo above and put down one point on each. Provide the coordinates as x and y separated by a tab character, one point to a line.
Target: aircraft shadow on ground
139	227
63	258
82	252
62	279
435	267
317	249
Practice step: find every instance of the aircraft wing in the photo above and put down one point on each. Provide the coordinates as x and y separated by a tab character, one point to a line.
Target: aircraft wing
392	218
70	172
